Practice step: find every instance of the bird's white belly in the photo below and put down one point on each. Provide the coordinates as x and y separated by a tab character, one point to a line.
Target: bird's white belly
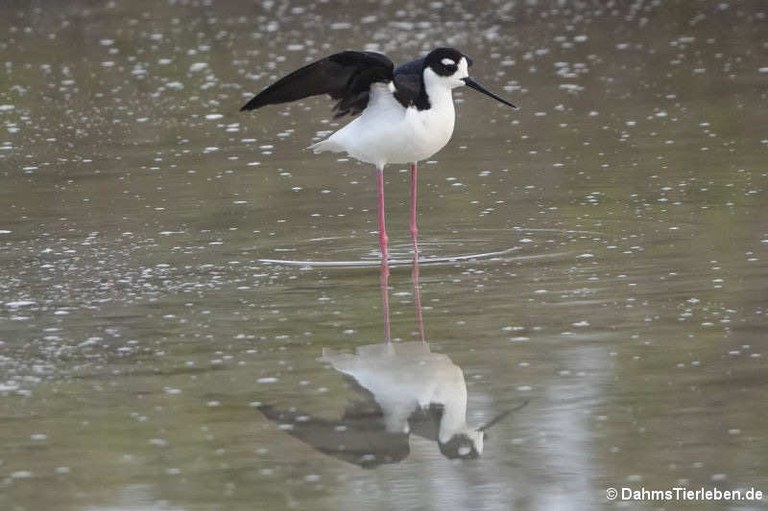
388	133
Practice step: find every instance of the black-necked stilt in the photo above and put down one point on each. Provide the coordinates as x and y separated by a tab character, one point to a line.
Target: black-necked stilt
407	113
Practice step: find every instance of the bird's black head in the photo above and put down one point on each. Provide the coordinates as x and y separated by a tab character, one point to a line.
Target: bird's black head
452	70
463	446
445	61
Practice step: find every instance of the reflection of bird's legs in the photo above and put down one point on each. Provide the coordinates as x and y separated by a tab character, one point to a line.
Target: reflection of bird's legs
415	241
384	283
384	246
414	228
417	295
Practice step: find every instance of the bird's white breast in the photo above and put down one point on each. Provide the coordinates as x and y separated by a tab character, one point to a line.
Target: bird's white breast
387	132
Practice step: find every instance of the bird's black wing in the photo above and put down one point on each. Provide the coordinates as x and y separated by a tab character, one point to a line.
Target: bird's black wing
359	438
346	76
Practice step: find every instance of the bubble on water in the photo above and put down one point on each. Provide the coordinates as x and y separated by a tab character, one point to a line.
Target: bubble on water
8	386
571	87
17	304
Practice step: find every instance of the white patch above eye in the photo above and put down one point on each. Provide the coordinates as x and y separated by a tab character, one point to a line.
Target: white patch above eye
448	62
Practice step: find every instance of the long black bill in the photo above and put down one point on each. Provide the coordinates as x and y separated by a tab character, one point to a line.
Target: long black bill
478	87
501	416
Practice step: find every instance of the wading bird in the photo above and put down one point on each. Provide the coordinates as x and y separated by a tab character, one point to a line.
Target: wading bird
406	113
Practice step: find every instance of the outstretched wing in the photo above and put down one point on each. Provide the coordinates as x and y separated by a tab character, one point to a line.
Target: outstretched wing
345	76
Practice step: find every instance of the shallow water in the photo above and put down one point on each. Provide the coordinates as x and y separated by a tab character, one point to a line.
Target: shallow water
622	294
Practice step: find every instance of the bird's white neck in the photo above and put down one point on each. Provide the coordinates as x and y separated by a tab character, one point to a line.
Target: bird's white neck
453	420
438	90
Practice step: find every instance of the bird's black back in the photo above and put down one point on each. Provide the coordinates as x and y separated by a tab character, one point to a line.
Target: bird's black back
409	84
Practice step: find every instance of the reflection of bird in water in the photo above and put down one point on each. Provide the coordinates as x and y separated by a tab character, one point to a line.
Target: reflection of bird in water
356	438
408	390
407	379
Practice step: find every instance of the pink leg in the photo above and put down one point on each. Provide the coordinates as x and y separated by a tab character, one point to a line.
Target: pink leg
415	240
383	238
384	247
414	228
417	296
384	284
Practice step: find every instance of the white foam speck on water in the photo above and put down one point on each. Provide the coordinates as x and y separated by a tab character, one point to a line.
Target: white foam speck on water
20	303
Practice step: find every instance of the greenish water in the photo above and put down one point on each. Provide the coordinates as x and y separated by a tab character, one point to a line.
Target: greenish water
140	331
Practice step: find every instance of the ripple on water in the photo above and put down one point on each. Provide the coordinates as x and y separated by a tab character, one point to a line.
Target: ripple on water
486	245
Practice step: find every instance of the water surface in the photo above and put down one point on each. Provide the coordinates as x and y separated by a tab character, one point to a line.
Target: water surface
141	333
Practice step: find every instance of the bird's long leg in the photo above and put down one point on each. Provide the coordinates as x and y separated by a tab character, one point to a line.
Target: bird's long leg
383	238
384	284
414	228
417	296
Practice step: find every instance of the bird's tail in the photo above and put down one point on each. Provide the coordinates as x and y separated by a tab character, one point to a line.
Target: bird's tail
326	145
